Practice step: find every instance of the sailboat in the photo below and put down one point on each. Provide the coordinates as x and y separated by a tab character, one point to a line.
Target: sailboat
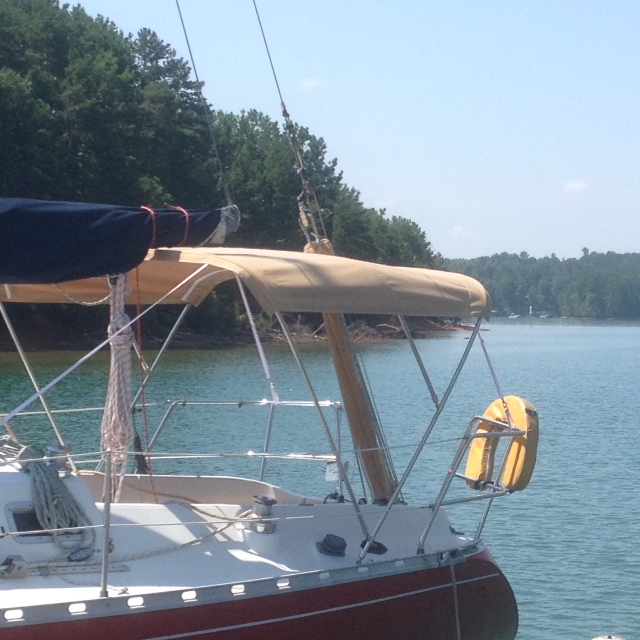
91	547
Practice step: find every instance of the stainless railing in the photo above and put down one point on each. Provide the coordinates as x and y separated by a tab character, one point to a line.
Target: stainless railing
494	488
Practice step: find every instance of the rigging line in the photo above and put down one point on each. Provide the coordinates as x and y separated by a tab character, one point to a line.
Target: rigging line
307	220
223	176
496	382
266	46
384	446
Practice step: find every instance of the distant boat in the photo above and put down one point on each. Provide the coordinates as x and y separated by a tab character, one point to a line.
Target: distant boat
513	316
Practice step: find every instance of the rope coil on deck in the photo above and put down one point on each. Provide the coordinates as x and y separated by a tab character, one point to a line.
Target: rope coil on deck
57	511
55	506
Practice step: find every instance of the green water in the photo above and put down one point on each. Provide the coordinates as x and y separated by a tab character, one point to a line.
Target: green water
567	543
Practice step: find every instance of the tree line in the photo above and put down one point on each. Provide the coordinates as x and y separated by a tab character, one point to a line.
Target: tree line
596	285
89	114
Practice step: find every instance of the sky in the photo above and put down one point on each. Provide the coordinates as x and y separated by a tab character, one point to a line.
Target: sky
495	125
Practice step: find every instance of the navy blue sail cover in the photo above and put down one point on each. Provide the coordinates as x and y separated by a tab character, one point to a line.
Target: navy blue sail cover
45	242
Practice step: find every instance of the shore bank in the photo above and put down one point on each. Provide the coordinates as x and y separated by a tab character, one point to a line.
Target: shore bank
56	339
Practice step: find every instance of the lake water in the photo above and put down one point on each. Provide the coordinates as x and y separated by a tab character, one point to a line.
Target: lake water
567	543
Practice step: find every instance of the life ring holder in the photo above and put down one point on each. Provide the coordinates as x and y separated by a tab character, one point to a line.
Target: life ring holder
517	468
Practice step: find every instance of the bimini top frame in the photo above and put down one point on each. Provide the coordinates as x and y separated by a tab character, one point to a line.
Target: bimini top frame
290	282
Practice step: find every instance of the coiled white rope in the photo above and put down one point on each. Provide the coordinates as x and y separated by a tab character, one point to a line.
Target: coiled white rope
55	507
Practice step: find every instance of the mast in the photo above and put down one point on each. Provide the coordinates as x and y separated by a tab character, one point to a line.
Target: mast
365	429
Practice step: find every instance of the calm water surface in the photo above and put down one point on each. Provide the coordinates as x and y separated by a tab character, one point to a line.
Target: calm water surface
567	543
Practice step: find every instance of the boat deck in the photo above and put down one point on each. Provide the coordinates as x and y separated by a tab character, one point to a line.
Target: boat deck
177	545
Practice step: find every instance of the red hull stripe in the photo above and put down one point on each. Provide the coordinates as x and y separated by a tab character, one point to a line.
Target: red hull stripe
319	612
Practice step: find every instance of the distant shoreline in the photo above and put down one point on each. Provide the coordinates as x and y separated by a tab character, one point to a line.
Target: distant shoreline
360	332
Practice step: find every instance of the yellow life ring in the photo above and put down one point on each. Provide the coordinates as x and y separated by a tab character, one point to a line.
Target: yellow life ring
522	452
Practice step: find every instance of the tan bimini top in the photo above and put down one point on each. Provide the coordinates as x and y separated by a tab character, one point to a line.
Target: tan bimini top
281	281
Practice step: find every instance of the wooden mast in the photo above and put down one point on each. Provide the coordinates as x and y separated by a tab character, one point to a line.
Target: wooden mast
363	423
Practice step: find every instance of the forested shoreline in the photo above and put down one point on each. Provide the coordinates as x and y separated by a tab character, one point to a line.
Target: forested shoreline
596	285
89	114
